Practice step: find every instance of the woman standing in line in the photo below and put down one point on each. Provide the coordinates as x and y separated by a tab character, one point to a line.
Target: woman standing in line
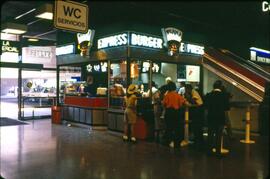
130	114
195	114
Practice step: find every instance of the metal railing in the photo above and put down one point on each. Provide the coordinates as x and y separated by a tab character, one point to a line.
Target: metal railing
246	105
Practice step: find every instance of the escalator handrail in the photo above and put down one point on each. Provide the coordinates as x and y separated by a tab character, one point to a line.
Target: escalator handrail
255	66
221	58
224	76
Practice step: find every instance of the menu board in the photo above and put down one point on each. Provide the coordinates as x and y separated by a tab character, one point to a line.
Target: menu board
97	67
155	69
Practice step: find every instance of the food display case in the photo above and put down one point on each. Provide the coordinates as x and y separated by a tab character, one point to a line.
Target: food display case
81	100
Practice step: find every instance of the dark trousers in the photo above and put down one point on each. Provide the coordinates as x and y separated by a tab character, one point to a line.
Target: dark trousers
197	118
197	128
215	133
172	126
149	118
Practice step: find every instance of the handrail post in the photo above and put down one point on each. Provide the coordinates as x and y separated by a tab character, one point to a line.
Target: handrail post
185	142
247	133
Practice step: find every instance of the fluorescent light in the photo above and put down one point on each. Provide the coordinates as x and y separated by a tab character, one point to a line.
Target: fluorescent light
25	13
45	12
46	15
13	31
33	40
13	28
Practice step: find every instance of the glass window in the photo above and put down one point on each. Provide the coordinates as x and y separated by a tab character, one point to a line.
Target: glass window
69	81
38	93
9	92
117	83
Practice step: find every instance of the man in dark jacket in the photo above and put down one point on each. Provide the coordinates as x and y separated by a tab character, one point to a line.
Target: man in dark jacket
216	103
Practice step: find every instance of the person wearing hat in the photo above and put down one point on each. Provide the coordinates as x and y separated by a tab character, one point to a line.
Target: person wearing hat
130	114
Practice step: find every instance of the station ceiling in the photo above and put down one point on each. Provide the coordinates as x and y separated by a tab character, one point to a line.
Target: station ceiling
220	23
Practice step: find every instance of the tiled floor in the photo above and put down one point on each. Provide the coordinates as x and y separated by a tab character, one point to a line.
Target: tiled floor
42	150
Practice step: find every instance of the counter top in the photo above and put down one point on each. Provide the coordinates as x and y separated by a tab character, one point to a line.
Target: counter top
82	101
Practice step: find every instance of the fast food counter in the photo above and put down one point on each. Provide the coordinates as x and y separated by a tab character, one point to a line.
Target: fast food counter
116	118
85	110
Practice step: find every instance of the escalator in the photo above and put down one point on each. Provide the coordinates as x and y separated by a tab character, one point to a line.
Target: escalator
245	75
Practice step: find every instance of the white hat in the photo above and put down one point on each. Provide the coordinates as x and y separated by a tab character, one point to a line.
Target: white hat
168	79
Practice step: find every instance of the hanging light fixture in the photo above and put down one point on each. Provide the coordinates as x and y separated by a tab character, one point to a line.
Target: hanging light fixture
13	28
45	12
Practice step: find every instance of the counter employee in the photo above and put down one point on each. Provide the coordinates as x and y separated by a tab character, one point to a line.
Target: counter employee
90	87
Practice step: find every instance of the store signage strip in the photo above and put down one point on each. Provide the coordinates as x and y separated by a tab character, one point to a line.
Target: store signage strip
147	41
265	6
259	55
40	55
113	41
65	49
100	67
132	38
9	46
191	48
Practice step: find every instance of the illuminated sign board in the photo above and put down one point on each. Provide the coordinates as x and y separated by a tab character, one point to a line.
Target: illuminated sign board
155	69
191	48
65	49
171	34
146	41
9	46
85	42
259	55
97	67
113	41
70	15
130	38
40	55
149	41
172	38
265	6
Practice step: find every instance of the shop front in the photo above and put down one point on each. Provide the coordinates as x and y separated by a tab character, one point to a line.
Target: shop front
119	60
28	84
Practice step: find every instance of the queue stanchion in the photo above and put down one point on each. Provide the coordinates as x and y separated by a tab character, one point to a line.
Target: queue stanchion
185	142
247	133
222	150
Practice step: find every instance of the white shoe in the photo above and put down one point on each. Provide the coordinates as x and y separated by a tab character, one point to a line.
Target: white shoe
183	143
125	138
171	144
133	139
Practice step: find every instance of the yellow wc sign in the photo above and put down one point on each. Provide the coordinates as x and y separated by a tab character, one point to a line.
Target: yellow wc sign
72	16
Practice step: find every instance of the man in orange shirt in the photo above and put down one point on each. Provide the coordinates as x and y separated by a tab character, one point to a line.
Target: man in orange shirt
172	103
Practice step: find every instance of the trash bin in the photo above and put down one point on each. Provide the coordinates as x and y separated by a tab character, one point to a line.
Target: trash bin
56	114
140	129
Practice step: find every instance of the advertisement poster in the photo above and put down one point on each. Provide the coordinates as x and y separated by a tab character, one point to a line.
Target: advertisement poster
193	73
